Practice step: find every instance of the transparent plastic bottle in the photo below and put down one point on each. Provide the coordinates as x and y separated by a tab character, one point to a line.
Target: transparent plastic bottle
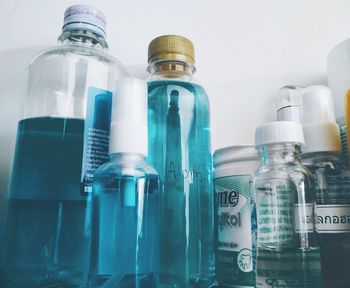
322	154
179	149
289	103
69	91
125	239
288	252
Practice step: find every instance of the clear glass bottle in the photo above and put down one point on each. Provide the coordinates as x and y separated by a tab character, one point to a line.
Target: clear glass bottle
125	238
322	154
179	149
287	246
69	87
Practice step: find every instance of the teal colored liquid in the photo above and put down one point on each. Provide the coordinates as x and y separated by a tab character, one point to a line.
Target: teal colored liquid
288	268
125	243
47	236
179	149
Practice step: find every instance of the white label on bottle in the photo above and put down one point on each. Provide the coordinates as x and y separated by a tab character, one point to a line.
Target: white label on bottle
234	259
304	218
332	218
275	212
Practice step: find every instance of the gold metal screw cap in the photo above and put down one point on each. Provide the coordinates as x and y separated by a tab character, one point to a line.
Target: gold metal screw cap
171	47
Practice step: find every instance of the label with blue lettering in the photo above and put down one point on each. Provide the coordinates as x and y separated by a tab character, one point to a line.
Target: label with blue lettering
96	135
234	243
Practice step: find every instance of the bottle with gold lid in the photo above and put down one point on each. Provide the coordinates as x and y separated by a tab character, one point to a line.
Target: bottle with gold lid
179	149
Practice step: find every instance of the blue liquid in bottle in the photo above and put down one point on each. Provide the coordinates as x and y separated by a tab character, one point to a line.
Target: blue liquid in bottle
48	224
46	235
125	234
179	149
125	224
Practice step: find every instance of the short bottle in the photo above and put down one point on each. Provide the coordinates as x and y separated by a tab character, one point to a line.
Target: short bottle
235	217
287	246
179	149
125	235
69	92
322	154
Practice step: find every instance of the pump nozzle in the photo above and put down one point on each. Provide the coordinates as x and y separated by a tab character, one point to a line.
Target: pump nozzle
288	103
318	120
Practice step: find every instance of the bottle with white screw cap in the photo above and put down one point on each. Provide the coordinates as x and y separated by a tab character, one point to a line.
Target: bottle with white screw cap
287	246
62	138
322	154
126	199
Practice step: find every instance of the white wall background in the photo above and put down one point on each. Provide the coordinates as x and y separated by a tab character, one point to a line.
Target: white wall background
246	50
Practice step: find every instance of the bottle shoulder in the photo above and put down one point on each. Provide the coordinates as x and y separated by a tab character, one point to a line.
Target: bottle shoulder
139	169
55	53
290	170
160	87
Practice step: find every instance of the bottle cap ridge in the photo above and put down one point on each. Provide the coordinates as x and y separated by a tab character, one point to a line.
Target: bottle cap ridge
279	132
171	47
84	17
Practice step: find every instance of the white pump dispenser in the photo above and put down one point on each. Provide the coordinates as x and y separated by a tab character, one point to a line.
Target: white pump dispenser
129	118
321	131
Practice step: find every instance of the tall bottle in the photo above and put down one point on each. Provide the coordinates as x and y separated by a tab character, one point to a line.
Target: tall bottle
322	154
179	149
67	115
287	246
125	240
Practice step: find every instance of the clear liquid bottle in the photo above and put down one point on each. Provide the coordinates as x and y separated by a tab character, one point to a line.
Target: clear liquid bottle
287	246
322	154
179	149
69	91
125	240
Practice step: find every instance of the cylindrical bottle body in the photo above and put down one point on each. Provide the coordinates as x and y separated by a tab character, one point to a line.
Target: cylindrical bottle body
125	235
69	88
332	183
287	245
179	149
235	219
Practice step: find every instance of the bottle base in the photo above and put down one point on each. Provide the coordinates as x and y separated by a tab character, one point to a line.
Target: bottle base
60	279
173	281
148	280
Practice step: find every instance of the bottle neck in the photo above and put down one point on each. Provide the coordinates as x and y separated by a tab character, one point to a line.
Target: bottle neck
83	38
171	69
128	157
281	153
318	158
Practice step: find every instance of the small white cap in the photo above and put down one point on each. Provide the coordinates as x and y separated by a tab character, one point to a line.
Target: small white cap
129	117
84	17
318	119
279	132
288	103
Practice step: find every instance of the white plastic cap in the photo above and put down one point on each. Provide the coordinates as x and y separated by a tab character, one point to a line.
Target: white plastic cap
129	117
279	132
288	103
84	17
318	119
